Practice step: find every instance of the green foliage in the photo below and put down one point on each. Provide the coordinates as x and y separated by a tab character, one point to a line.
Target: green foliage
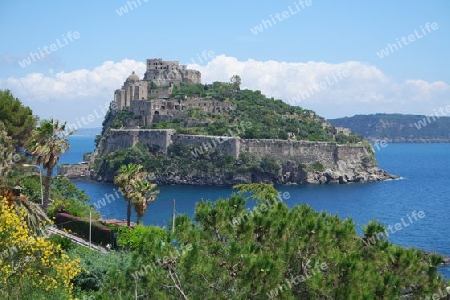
72	206
397	126
235	81
68	198
270	118
98	137
65	243
269	165
136	189
348	139
17	118
130	238
189	89
122	118
231	257
96	268
32	188
47	143
316	166
6	153
64	188
258	191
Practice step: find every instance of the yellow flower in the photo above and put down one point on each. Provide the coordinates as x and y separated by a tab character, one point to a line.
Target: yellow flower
42	263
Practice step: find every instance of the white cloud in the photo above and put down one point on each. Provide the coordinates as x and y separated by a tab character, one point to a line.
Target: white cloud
365	90
72	95
82	85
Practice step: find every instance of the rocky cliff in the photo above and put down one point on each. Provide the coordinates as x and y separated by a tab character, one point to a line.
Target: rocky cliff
191	159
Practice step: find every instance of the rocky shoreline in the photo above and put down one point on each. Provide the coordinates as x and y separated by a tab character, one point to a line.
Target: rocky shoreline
83	172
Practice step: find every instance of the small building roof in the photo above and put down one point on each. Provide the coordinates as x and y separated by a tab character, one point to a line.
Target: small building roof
133	77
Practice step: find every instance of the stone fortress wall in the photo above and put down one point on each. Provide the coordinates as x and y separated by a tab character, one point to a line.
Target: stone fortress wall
304	152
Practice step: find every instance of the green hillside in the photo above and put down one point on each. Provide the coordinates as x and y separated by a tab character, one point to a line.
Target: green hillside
398	127
269	118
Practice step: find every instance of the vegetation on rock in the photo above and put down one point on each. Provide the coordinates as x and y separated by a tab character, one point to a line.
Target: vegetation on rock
398	127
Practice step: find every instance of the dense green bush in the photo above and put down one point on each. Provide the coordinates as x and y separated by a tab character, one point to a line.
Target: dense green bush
130	238
68	198
65	243
96	267
316	166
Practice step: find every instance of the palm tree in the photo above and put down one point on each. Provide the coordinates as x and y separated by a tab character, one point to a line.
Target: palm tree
48	142
136	189
145	193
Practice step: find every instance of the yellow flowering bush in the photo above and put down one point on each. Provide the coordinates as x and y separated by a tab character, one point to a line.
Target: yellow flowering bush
29	262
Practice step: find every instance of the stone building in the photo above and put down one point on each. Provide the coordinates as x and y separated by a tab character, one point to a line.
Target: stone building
151	96
132	89
165	72
162	110
158	82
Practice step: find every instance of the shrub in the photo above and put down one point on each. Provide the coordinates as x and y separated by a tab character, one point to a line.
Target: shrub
96	266
130	238
65	243
316	166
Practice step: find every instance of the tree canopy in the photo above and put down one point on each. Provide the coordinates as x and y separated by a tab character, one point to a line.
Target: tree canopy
47	143
272	251
17	118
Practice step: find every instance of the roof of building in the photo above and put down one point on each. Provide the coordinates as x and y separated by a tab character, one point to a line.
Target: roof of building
133	77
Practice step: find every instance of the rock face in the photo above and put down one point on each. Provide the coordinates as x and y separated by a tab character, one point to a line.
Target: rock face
298	177
77	171
299	162
369	175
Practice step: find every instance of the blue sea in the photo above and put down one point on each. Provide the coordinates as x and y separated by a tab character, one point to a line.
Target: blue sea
424	186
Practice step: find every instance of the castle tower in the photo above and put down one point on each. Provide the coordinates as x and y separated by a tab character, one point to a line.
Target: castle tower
162	73
133	89
159	80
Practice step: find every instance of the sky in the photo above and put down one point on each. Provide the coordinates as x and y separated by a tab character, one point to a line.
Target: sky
64	59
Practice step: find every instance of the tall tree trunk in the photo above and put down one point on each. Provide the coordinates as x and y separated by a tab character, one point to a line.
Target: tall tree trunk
128	213
47	183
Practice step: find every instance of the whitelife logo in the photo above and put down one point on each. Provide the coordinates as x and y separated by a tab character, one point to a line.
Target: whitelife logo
46	50
411	38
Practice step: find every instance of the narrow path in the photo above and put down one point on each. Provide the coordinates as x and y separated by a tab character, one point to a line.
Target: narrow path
77	240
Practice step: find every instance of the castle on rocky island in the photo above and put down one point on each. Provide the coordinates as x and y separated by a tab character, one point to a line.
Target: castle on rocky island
151	96
158	97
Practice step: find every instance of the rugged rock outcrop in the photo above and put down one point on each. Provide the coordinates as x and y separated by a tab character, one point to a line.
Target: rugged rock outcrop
298	162
76	171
